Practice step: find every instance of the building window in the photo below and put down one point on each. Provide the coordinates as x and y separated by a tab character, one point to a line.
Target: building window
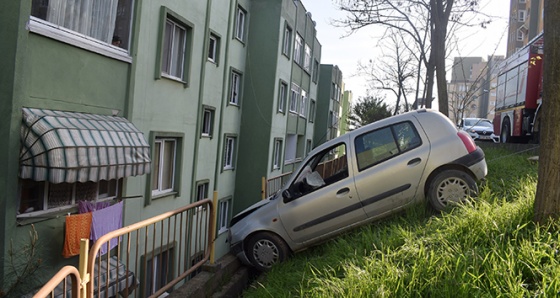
240	24
315	71
163	165
207	120
303	105
291	149
287	45
106	21
294	97
282	96
202	190
298	48
307	58
173	52
277	154
235	88
158	270
229	153
312	111
40	197
521	15
520	34
213	48
308	146
223	216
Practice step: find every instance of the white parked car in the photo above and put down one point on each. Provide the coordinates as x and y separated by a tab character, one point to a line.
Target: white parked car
479	129
364	175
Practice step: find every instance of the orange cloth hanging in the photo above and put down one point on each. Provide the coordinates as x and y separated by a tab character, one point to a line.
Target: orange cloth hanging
77	227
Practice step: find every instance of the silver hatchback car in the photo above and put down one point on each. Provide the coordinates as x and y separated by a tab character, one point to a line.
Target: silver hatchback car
361	176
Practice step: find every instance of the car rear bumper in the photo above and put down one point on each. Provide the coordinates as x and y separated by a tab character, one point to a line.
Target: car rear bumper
476	162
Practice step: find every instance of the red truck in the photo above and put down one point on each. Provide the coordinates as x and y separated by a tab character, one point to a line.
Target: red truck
519	94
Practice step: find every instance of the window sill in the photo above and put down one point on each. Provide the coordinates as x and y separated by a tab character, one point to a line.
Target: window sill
27	219
64	35
173	78
157	196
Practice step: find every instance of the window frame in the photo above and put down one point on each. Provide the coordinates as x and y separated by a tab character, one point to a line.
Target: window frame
277	154
522	15
165	16
287	42
312	110
303	104
229	153
294	98
240	24
177	171
307	58
207	127
298	47
214	52
282	96
114	191
315	72
224	215
237	83
43	27
204	186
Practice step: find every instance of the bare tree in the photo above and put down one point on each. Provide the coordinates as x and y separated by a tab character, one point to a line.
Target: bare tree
393	71
547	199
417	19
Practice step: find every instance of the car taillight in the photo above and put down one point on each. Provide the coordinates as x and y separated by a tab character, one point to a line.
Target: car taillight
467	141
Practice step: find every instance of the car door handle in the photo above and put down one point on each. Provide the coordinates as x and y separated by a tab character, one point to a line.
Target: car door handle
414	161
343	191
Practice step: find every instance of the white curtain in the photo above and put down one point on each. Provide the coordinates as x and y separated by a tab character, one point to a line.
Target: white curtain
94	18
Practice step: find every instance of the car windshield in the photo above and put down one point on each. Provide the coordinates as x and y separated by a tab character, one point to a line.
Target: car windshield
478	122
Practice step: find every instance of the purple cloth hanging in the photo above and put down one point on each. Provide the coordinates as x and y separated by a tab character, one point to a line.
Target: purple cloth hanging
88	206
104	221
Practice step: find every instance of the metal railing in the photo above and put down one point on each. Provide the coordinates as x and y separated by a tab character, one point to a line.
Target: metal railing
272	185
145	259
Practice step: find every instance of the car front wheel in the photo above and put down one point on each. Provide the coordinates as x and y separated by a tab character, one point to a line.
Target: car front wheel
266	249
449	188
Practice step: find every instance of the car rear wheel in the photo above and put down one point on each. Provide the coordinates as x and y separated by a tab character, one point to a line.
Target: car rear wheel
449	188
505	135
266	249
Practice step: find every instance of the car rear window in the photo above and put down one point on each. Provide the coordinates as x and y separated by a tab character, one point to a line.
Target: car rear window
382	144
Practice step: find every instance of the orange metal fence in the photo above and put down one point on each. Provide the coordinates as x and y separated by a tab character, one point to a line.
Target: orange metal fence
145	259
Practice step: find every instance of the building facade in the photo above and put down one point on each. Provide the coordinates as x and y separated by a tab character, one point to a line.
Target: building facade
472	89
525	23
329	104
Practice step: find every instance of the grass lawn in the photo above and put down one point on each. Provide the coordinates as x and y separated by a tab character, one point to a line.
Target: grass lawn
489	248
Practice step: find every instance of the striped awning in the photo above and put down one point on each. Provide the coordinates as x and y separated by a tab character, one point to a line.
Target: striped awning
78	147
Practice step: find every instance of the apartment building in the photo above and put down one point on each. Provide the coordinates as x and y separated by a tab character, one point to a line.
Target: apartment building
208	99
280	95
471	90
329	104
525	23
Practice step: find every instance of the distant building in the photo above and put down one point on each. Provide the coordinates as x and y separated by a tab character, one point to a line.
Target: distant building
525	23
471	91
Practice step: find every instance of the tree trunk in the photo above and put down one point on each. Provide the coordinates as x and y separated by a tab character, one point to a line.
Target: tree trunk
440	17
547	199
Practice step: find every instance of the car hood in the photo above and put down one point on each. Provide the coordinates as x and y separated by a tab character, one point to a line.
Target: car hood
249	210
480	128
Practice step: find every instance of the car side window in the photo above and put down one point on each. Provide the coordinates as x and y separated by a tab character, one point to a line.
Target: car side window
325	168
382	144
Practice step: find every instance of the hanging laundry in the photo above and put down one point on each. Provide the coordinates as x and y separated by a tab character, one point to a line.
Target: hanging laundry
89	206
104	221
77	227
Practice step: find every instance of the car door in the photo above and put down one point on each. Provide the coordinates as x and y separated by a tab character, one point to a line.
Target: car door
327	203
390	162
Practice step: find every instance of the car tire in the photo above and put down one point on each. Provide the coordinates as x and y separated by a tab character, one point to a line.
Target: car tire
505	135
266	249
450	188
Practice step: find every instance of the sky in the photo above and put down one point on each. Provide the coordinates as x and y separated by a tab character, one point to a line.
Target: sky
347	52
